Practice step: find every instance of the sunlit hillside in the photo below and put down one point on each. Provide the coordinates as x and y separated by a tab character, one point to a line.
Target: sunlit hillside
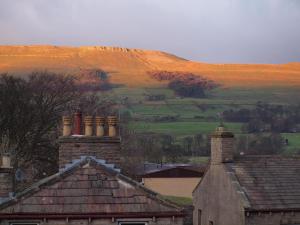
130	66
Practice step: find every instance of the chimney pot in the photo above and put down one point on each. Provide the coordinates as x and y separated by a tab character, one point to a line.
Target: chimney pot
100	120
66	126
112	123
88	121
78	121
6	162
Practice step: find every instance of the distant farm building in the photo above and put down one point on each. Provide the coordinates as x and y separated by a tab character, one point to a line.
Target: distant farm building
173	179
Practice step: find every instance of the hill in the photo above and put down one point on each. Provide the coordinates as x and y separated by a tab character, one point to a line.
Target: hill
130	66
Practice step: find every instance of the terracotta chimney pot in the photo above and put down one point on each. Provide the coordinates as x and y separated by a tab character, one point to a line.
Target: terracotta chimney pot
66	126
88	121
78	121
100	120
112	123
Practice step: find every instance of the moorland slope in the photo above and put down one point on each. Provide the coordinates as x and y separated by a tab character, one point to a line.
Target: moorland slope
130	66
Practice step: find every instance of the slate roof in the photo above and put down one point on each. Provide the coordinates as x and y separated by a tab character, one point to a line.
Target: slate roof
183	172
269	182
147	167
90	187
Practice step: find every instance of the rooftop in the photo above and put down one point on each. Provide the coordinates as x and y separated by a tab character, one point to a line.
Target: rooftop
269	182
91	187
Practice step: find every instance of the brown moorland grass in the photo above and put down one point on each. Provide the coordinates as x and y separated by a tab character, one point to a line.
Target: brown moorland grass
130	66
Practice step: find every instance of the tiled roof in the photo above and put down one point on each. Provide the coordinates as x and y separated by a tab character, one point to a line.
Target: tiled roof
148	168
87	186
177	172
269	182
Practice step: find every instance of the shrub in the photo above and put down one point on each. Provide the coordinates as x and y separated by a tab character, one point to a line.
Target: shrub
185	84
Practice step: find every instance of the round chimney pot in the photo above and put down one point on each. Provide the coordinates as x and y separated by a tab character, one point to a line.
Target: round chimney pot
88	121
100	120
112	120
112	123
6	162
78	121
66	120
67	126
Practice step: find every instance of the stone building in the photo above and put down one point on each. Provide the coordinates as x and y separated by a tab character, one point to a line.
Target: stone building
175	180
89	188
248	190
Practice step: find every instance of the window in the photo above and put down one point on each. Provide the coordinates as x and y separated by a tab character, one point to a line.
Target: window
199	216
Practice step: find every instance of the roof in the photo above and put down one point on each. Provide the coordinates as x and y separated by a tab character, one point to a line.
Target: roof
148	168
182	172
88	187
269	182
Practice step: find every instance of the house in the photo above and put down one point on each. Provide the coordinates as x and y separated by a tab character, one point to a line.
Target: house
173	179
248	190
89	187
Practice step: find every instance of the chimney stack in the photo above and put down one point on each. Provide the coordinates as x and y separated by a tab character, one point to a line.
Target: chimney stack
102	145
222	146
6	176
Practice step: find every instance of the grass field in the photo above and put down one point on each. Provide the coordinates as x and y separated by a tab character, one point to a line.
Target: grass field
196	116
181	201
182	128
294	142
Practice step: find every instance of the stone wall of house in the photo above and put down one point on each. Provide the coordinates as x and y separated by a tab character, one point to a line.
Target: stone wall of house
150	221
73	147
279	218
218	199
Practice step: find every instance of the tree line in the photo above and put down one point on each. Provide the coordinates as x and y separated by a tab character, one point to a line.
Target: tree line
266	118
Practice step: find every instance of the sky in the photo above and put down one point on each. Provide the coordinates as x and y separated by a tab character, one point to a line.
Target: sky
214	31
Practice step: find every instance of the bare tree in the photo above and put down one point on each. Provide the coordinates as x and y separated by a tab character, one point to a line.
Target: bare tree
30	110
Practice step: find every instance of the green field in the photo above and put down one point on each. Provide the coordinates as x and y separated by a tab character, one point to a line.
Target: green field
294	142
194	116
182	128
181	201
